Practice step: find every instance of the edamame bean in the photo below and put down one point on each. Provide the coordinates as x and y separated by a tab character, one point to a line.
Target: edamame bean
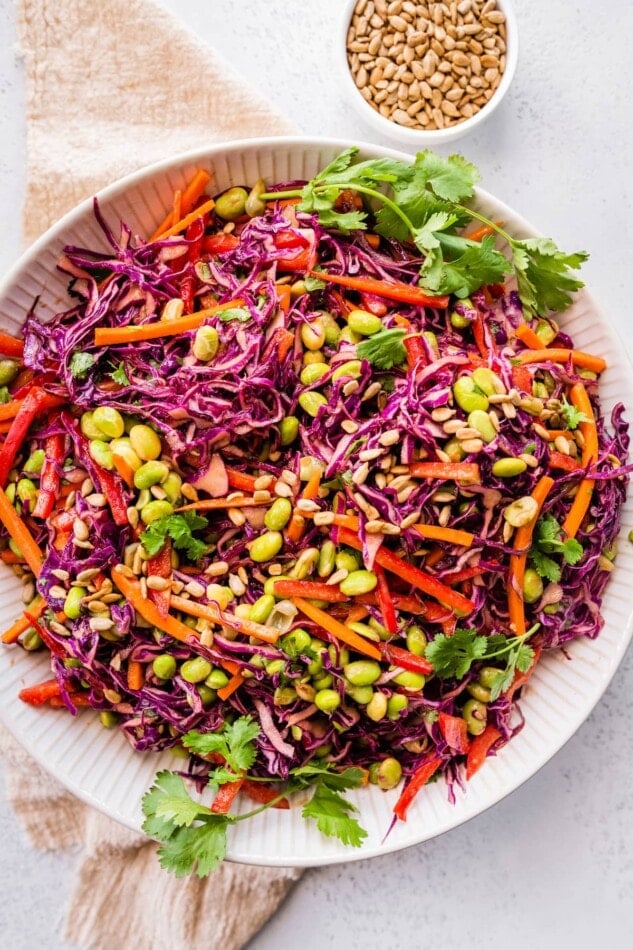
376	708
34	462
109	421
347	560
339	655
195	670
305	691
468	395
261	610
312	356
72	604
488	676
164	666
254	204
278	514
479	691
327	700
410	680
88	427
508	467
454	450
360	694
298	289
150	473
222	596
358	582
362	672
324	681
288	430
364	630
313	334
108	719
332	330
480	421
155	510
385	774
31	640
416	640
206	344
311	402
273	667
327	555
487	381
521	511
101	454
145	442
532	586
458	320
348	336
206	694
351	369
313	373
396	705
27	493
545	332
216	679
231	204
364	323
172	487
8	371
284	696
475	714
266	546
431	339
296	642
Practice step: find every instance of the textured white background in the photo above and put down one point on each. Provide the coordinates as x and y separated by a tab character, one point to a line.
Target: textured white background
551	866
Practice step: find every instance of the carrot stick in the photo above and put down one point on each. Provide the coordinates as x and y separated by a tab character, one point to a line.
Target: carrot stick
404	293
9	345
225	797
110	336
480	233
412	575
357	613
434	532
10	409
434	556
217	504
135	675
20	534
131	590
213	613
188	219
241	481
17	628
189	197
516	574
585	360
40	693
579	398
338	630
234	683
450	471
8	557
527	336
313	590
310	492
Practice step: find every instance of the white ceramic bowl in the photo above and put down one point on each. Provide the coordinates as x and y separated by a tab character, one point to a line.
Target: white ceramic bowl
418	138
98	765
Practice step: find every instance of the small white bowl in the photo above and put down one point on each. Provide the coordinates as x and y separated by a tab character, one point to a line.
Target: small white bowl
420	138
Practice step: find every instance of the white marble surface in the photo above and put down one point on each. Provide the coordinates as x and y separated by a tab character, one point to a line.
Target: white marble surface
551	866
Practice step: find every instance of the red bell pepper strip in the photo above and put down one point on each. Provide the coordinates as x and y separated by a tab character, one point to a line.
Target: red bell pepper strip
455	732
225	797
522	379
403	293
479	335
464	575
35	402
77	699
242	481
112	488
45	636
563	463
194	234
374	305
10	346
51	475
397	656
304	247
418	780
385	600
479	749
159	565
40	694
219	243
263	794
412	575
415	351
290	239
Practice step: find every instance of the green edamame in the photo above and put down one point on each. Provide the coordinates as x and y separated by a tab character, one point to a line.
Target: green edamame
532	586
154	510
72	604
376	708
311	402
150	473
385	774
206	344
410	680
327	700
266	546
261	610
364	323
9	369
475	714
34	462
508	467
164	666
109	421
231	204
216	679
278	515
416	640
351	368
480	420
313	372
100	453
468	395
195	670
327	555
145	442
362	672
288	430
358	582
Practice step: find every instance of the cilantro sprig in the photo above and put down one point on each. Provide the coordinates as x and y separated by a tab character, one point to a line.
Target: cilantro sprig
572	416
193	839
427	202
452	657
548	540
180	529
384	349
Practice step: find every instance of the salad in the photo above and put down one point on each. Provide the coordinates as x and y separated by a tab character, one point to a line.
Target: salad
302	486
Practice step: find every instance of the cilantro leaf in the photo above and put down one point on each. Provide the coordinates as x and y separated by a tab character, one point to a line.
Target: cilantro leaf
545	566
80	364
451	178
328	775
572	416
334	816
120	376
471	265
179	528
314	283
548	540
453	656
543	275
384	349
501	682
196	850
240	314
235	742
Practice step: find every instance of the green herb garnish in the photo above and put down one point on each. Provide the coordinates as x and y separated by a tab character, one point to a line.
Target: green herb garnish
80	364
548	540
180	529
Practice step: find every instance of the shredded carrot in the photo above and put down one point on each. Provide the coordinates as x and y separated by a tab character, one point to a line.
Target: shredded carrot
241	481
233	684
8	557
217	504
10	345
313	590
480	233
135	675
527	335
20	534
189	197
584	360
110	336
297	522
17	628
283	297
338	630
357	613
10	409
516	575
213	613
131	590
579	397
188	219
434	556
435	532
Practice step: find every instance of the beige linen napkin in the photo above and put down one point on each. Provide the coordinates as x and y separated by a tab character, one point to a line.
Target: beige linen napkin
109	88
